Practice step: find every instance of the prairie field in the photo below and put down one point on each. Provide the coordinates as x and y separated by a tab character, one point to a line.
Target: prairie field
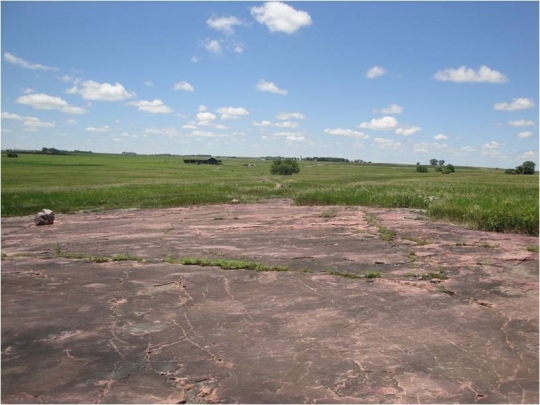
484	199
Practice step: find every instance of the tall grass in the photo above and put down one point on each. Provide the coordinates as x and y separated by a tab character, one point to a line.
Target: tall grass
484	199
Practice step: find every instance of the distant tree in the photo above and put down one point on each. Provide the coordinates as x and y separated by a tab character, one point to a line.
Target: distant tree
519	169
528	167
421	169
12	154
441	162
433	162
451	168
284	167
417	163
446	170
510	171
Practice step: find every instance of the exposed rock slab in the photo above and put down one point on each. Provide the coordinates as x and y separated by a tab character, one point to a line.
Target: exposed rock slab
151	332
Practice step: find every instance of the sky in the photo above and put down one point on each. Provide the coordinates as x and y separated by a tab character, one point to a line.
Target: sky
393	82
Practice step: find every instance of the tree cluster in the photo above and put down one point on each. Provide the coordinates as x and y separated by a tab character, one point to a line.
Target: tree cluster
525	168
326	159
284	167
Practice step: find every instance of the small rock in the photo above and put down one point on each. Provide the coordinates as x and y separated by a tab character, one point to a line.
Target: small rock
379	262
235	201
45	217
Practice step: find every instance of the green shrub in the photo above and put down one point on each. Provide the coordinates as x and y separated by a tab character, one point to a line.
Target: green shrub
284	167
510	171
421	169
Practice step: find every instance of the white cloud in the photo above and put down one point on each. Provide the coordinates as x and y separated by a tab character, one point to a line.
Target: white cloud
391	109
42	101
440	137
183	86
8	57
207	134
91	90
166	131
528	155
525	135
521	123
232	113
153	107
421	147
383	124
492	145
387	143
149	83
289	115
291	136
516	104
464	75
408	131
195	59
345	132
375	71
30	123
190	126
202	108
71	121
263	85
261	124
220	126
106	128
223	24
287	124
239	48
28	90
204	117
280	17
213	45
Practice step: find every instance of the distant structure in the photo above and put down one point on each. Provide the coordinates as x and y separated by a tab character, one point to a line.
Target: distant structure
211	161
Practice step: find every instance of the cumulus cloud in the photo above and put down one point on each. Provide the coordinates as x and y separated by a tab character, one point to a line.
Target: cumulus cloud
290	115
71	121
383	124
207	134
393	109
280	17
42	101
387	143
375	71
345	132
91	90
205	117
528	155
166	131
232	113
30	123
261	124
8	57
465	75
291	136
525	134
183	86
239	48
521	123
516	104
190	125
213	45
287	124
105	128
223	24
492	145
440	137
408	131
270	87
153	107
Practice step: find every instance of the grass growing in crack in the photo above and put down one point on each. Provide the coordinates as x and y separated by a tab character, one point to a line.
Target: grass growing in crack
418	241
532	248
229	264
329	214
373	274
409	275
343	274
124	256
412	257
95	259
386	234
431	275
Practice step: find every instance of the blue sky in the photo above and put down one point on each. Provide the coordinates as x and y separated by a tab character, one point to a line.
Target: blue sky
400	82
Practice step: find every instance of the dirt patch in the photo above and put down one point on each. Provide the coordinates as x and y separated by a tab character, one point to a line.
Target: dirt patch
453	317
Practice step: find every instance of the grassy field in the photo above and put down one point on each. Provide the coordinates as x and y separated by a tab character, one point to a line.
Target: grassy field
484	199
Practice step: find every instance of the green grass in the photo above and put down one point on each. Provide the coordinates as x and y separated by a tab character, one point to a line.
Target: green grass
96	259
485	199
329	213
532	248
346	274
228	264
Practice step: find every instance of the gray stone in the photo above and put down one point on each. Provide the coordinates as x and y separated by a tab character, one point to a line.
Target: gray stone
45	217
